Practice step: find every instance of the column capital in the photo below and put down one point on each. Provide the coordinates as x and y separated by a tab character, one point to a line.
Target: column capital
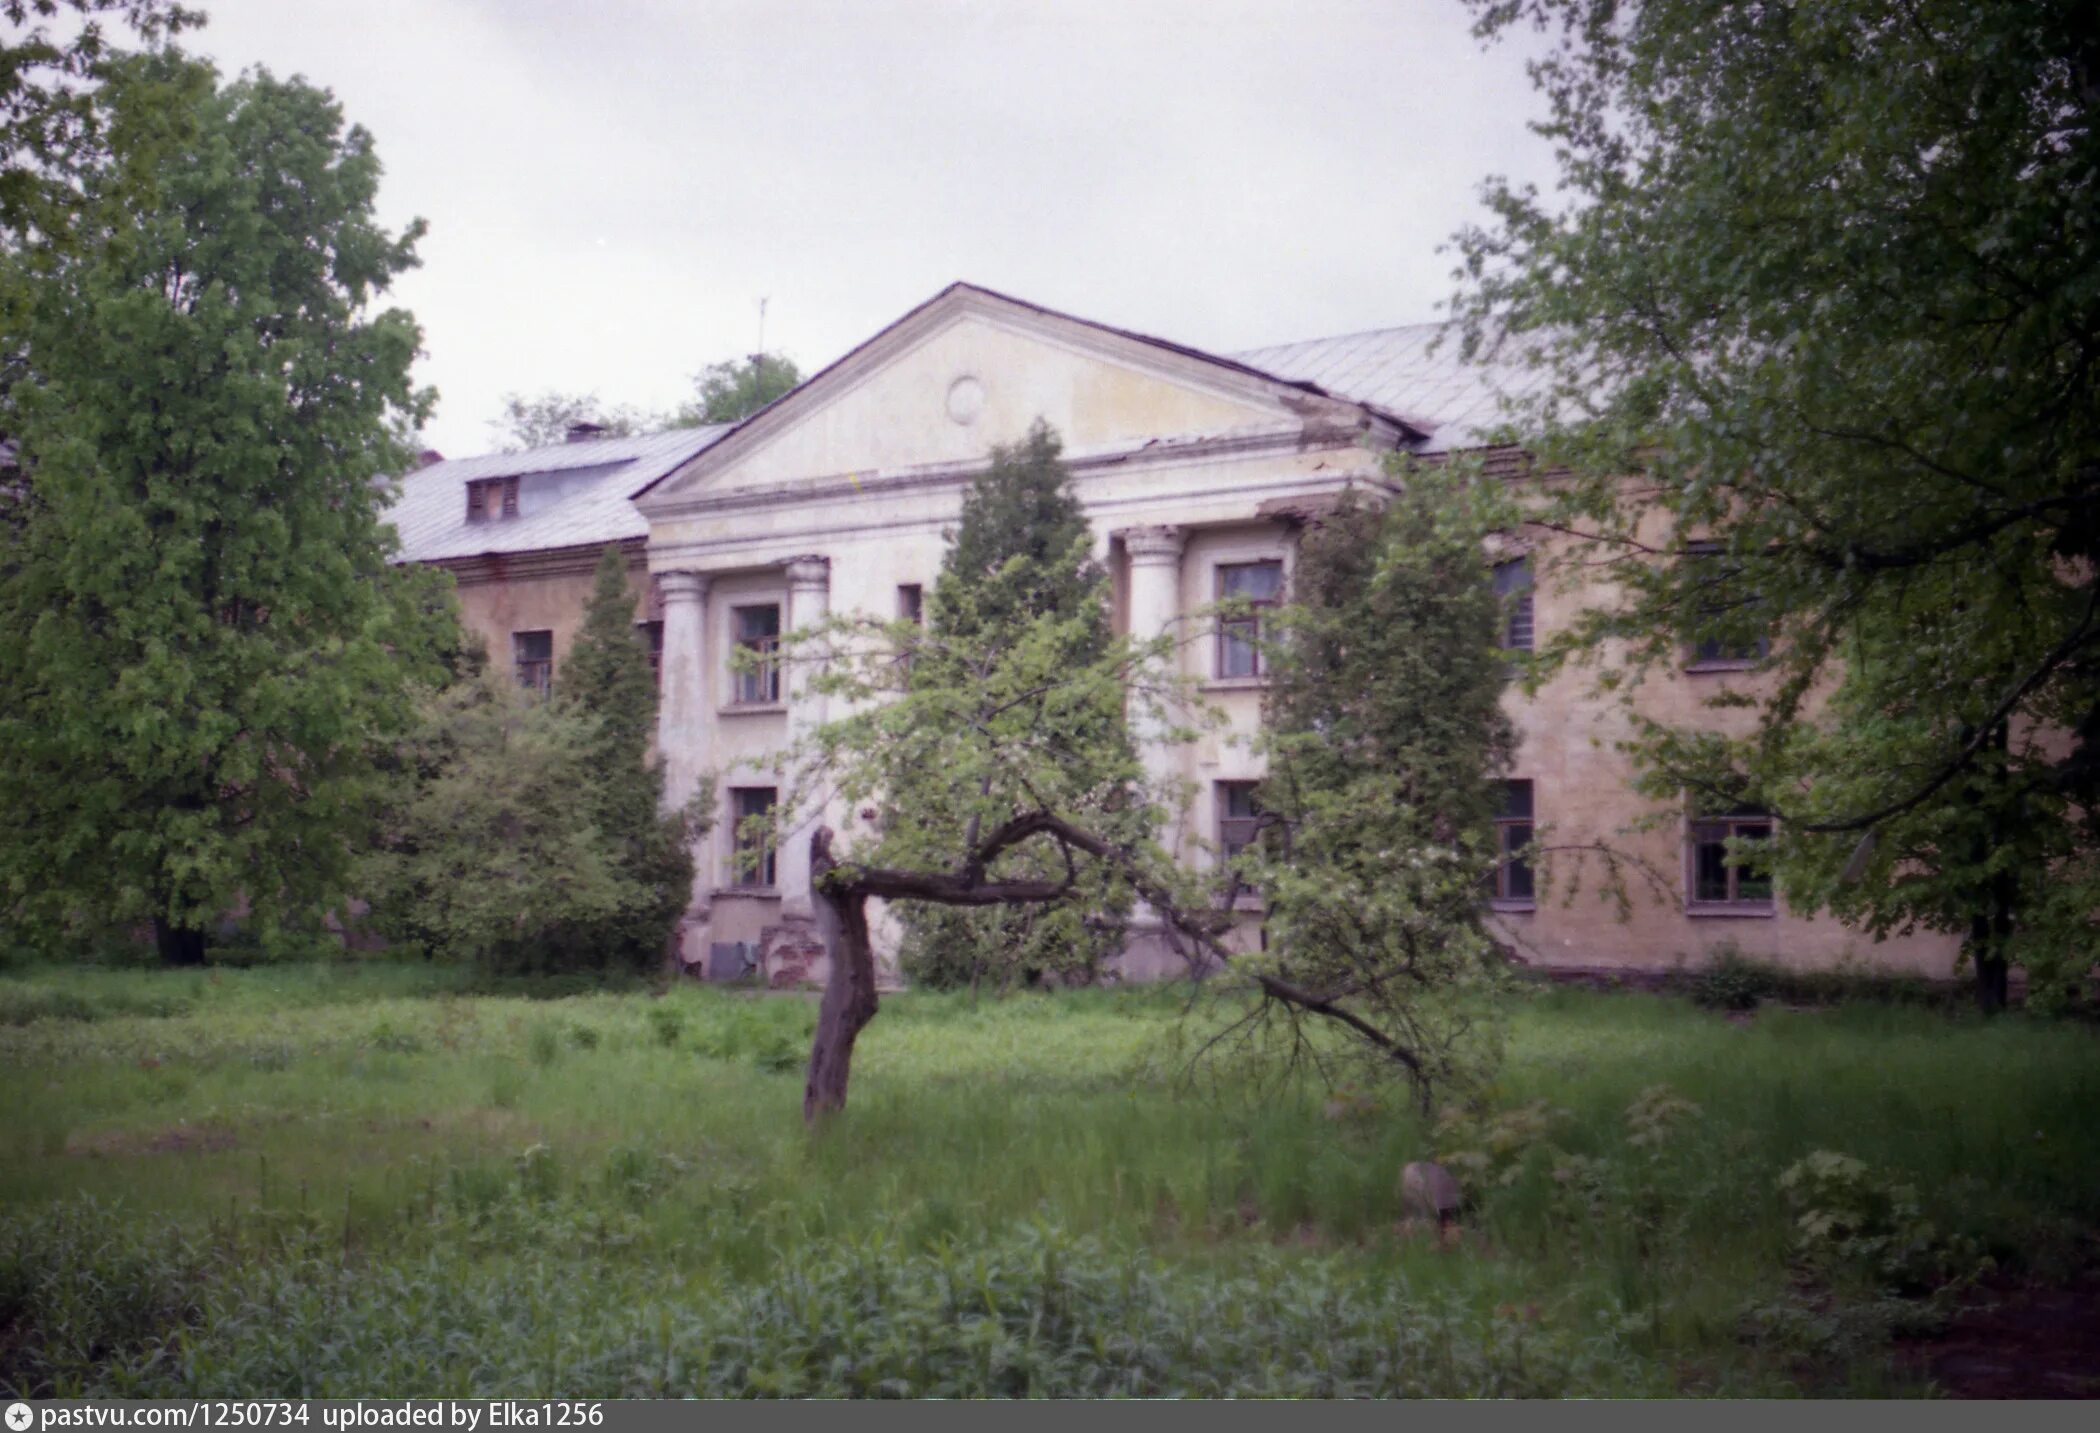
1153	545
682	586
808	572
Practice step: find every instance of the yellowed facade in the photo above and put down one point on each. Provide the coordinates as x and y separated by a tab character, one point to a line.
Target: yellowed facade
838	496
503	597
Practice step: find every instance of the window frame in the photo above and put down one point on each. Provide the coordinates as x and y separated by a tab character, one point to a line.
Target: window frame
1221	792
764	875
534	674
651	633
478	491
1502	895
1518	596
1702	831
1229	629
1696	655
766	675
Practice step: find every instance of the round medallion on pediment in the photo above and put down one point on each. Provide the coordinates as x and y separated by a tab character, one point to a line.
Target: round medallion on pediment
965	400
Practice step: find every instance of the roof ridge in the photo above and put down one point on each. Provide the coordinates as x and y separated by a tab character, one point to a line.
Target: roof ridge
1352	333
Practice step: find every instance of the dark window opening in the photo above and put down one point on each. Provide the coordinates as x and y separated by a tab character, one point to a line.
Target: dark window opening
532	653
752	808
1239	816
758	633
652	635
1714	878
1513	586
1719	652
1513	883
1253	586
491	498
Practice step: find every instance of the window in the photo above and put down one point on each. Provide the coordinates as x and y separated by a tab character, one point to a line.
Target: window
1718	881
492	498
758	633
911	602
1239	814
751	805
1513	586
1249	584
1512	885
533	655
652	635
1720	652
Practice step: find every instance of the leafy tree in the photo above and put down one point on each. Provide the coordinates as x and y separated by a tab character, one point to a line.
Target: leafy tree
607	678
1385	733
543	420
204	638
484	851
525	834
52	129
733	390
1021	552
994	778
1826	281
1001	788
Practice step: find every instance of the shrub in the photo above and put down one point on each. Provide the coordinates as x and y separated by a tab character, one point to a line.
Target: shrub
1730	981
667	1023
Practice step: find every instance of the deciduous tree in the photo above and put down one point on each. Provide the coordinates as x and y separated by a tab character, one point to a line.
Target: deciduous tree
1385	738
1824	278
731	391
204	639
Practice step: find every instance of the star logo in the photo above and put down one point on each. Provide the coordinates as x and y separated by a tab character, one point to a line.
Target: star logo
19	1417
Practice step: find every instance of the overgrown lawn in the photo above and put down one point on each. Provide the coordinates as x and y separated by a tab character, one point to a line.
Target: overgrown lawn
381	1179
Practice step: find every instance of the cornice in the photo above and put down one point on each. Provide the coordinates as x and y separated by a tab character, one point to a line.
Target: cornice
1160	453
736	552
485	567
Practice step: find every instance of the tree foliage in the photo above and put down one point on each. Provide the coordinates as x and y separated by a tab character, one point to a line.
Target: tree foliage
1385	735
734	389
607	679
525	833
543	420
1001	788
484	851
53	129
1022	552
1825	278
205	642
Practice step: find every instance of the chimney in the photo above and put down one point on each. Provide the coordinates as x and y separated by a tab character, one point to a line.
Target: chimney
584	431
428	456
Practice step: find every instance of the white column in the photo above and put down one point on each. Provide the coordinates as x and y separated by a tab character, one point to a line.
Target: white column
809	603
1155	608
685	730
683	723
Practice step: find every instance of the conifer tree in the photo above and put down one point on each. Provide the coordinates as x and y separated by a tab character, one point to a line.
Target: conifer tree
607	678
1021	554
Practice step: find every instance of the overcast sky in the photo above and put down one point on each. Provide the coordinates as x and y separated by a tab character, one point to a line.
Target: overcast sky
612	185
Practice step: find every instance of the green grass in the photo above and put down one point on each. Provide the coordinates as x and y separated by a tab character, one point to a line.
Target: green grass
366	1178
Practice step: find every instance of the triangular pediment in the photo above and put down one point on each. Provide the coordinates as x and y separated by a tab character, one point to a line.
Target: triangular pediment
971	369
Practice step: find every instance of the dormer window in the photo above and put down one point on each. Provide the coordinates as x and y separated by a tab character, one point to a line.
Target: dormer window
491	498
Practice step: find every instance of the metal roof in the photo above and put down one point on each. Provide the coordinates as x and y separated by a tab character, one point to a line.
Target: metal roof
1415	373
594	482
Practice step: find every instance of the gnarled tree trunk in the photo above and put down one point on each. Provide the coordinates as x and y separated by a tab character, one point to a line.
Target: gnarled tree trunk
850	999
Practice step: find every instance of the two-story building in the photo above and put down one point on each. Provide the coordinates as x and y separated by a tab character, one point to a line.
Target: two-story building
1190	466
